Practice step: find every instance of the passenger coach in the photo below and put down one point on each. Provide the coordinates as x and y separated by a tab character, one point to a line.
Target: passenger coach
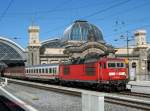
43	72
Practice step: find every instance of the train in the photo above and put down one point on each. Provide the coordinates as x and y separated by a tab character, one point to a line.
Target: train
104	73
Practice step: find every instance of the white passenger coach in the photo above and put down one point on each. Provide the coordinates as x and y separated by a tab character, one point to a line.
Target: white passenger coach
45	71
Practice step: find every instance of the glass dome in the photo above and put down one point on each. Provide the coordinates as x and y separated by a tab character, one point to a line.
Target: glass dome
81	30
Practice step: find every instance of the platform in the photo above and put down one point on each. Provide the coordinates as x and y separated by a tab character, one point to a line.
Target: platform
139	86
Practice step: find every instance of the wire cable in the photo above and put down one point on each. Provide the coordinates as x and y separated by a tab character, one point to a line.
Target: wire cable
106	9
5	11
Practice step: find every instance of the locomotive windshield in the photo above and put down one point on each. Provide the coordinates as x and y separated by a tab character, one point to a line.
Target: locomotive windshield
116	65
112	65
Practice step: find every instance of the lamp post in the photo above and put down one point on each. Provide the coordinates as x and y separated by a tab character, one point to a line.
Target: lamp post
127	43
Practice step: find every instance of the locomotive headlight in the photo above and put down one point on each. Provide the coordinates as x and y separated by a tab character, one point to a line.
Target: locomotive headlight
111	73
122	73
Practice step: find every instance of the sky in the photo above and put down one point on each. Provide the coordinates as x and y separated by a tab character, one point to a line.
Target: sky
115	18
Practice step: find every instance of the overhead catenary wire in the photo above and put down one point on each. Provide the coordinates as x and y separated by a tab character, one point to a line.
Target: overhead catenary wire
106	9
5	11
128	10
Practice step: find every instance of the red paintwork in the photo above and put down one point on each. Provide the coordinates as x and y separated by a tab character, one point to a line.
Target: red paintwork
78	72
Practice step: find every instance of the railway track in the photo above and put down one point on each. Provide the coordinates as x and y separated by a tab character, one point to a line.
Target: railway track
135	94
109	97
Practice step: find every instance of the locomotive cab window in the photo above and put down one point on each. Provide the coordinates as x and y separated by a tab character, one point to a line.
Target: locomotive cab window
121	64
112	65
116	64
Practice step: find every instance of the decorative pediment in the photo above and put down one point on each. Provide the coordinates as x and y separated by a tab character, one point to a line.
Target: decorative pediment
86	48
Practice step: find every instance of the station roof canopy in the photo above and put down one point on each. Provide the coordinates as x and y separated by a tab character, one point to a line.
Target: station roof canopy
11	53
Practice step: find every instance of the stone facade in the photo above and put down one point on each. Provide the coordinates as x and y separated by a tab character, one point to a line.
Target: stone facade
34	45
138	56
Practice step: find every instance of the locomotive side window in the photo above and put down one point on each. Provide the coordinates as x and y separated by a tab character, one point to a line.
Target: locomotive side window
66	70
90	69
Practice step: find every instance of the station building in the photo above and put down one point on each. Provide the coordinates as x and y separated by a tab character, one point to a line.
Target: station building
80	40
84	40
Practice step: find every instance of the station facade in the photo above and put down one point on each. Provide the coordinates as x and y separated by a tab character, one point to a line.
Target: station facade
80	40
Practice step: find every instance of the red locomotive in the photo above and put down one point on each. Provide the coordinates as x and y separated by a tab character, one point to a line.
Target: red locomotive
105	73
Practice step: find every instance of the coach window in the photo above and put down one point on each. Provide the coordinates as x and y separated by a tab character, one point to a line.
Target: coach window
55	70
46	70
50	71
31	70
39	70
42	70
36	70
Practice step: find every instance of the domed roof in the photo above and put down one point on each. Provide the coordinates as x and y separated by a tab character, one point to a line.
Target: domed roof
82	31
